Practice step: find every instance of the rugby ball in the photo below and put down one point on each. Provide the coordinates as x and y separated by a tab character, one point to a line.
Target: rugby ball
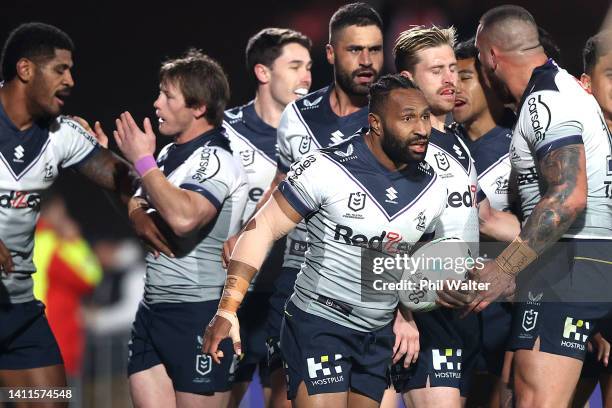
437	261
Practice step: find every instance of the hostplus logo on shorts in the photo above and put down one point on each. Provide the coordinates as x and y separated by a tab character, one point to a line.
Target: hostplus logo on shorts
577	333
324	371
446	363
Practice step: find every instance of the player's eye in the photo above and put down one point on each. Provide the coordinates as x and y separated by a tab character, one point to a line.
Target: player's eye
436	71
426	116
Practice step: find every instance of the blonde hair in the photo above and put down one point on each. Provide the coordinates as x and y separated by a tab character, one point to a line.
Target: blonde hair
418	38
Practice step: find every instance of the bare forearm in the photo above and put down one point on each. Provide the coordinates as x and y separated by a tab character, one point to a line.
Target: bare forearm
501	226
112	173
175	205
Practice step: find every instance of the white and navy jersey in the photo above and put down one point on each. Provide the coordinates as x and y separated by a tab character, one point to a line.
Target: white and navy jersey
308	124
351	202
253	143
30	163
204	165
555	111
492	160
451	159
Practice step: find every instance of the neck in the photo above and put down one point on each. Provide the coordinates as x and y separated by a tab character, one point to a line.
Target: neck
437	121
201	126
521	74
14	103
380	154
267	108
480	126
343	104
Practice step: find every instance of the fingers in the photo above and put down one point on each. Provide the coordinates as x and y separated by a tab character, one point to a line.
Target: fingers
211	346
146	123
225	254
129	122
401	349
413	352
238	348
6	261
100	135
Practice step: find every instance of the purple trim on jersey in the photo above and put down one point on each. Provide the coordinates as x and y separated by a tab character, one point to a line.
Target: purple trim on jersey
556	144
202	191
375	201
492	166
288	191
25	171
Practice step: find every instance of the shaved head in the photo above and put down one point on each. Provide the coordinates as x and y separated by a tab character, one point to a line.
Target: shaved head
510	28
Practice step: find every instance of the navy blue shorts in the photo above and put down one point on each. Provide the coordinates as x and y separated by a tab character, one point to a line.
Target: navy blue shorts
329	357
283	288
171	334
495	329
564	296
26	340
448	353
252	316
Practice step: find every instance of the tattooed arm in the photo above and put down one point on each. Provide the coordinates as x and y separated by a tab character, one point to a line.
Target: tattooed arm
564	171
112	173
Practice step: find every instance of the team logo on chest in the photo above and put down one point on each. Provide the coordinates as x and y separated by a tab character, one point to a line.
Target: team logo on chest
18	154
305	144
357	201
421	219
502	185
49	173
442	161
247	157
336	137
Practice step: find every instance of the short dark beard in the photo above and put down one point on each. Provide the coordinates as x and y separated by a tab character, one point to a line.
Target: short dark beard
398	151
498	87
345	81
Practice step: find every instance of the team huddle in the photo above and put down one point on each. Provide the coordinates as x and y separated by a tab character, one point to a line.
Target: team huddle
261	220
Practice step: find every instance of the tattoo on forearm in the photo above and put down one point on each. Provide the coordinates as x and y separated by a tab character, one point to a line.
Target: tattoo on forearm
112	173
563	170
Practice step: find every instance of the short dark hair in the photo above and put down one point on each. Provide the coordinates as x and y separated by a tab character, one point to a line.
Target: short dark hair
466	50
357	14
597	46
201	80
506	12
547	42
267	45
34	41
380	90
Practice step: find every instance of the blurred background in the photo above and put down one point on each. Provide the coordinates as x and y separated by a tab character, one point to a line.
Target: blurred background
119	48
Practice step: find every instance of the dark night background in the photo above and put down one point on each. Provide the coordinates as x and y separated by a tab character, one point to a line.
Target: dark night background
119	47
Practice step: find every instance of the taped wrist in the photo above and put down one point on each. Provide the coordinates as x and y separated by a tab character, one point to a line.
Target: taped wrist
516	257
233	292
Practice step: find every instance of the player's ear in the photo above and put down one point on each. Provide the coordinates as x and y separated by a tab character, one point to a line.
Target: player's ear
25	69
406	74
585	81
374	122
262	73
329	53
199	111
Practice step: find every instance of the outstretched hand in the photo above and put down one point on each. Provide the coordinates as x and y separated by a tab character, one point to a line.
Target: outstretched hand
133	142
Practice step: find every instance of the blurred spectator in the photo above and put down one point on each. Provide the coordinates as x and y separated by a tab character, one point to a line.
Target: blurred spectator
67	270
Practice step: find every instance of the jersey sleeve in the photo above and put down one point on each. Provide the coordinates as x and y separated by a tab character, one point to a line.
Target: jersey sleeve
76	143
289	128
210	174
302	187
550	121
